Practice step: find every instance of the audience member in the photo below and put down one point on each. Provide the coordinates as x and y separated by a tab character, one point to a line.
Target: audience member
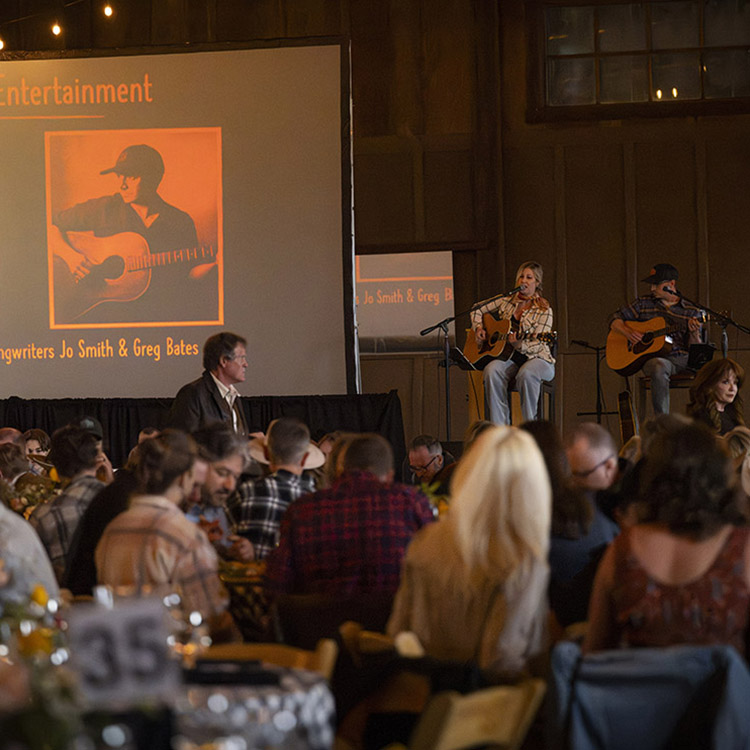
13	463
153	544
23	554
683	574
12	435
580	526
427	463
738	442
474	584
74	453
104	470
37	448
258	506
113	499
333	468
715	396
349	540
225	453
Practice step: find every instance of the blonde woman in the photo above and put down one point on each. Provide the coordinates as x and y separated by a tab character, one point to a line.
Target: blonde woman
474	586
531	360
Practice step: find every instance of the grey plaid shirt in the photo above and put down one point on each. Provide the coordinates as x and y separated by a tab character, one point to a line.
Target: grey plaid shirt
57	520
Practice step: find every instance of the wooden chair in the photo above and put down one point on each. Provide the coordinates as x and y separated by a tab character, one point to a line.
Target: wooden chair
303	619
321	660
497	717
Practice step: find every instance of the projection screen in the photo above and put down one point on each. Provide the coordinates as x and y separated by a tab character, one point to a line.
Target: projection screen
244	161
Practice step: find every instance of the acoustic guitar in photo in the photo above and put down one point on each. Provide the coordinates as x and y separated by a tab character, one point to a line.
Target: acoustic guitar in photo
496	345
120	268
626	358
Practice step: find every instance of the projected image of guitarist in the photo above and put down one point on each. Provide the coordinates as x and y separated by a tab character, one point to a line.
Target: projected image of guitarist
131	256
522	320
653	333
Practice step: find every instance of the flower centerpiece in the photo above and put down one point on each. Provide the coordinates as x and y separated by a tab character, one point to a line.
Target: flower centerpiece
38	706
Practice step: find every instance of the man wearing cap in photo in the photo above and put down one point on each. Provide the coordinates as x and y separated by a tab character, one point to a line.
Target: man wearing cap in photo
662	302
136	207
258	506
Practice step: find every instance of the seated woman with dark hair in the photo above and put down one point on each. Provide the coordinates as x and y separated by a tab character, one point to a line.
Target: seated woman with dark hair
682	576
715	396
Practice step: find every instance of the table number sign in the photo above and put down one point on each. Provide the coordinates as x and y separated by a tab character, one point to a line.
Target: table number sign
121	654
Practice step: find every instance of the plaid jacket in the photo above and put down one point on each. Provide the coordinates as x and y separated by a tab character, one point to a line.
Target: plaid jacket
152	543
347	540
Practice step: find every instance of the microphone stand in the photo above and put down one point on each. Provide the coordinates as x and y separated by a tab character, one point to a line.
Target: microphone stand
723	320
443	326
599	357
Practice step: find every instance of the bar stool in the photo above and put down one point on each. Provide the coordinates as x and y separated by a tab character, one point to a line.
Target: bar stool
682	380
545	408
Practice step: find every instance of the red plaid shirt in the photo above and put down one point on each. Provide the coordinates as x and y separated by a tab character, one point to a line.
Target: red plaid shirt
347	540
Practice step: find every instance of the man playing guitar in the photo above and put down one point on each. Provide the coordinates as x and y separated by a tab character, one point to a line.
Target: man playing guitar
664	303
532	360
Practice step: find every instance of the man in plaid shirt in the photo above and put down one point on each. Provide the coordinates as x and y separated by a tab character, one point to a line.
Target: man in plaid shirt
75	454
259	505
664	303
349	539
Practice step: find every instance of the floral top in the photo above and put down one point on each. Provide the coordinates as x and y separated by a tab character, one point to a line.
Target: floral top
712	609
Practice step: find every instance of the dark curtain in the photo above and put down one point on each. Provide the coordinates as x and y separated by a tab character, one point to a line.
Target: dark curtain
123	418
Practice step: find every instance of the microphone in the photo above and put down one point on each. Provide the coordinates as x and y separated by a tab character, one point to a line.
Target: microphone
517	289
676	292
578	342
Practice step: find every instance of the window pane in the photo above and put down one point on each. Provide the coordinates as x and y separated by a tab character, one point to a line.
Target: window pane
570	31
621	28
623	79
675	25
726	74
726	22
571	81
676	76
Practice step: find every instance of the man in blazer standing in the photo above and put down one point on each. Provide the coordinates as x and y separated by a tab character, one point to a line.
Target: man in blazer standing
213	396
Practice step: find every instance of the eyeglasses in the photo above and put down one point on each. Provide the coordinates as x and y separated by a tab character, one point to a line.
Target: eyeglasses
584	474
422	469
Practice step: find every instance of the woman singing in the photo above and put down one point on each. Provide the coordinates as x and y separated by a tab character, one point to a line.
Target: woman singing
532	361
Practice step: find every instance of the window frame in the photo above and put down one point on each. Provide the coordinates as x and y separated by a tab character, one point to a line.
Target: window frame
538	110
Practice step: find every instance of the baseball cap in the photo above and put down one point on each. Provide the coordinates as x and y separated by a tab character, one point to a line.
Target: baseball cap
138	161
661	272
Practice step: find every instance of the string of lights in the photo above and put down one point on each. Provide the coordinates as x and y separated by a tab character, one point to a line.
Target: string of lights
56	27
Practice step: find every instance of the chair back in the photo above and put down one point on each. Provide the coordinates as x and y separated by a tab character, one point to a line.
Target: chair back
303	619
498	717
321	660
648	698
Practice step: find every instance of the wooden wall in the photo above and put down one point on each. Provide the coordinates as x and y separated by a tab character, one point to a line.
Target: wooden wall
444	159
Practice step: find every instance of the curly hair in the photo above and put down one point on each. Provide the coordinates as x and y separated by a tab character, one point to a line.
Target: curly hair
703	392
687	483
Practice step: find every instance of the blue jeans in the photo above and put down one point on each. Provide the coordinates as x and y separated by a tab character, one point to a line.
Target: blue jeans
660	369
497	376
